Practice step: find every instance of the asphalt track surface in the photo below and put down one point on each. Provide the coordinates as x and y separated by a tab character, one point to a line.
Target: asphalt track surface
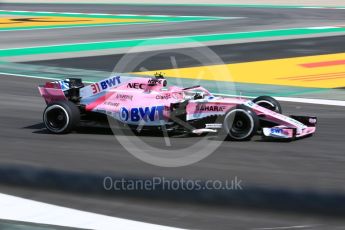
315	163
254	19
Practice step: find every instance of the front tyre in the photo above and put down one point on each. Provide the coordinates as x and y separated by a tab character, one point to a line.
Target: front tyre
61	117
240	123
268	103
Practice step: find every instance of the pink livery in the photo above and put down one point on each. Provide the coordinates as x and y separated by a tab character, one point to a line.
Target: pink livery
150	103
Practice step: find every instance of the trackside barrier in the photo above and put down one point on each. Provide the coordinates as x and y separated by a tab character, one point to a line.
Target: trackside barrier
306	202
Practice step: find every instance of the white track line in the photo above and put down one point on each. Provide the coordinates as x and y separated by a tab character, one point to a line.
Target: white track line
312	101
323	27
19	11
313	7
298	100
20	209
27	76
72	13
287	227
43	12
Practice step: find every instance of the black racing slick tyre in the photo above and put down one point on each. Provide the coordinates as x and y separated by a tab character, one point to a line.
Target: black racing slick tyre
268	103
61	117
240	123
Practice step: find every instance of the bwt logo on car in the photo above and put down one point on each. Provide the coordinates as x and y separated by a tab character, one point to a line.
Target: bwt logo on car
146	114
103	85
110	82
276	131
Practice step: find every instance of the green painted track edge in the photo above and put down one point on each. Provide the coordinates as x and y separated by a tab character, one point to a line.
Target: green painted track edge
63	48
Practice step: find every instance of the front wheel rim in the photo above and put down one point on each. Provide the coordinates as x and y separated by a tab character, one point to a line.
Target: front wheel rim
241	125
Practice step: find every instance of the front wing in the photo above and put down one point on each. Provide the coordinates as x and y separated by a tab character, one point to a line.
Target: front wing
283	132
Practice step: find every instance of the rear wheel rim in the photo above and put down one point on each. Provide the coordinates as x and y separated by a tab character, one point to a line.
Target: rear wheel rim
56	118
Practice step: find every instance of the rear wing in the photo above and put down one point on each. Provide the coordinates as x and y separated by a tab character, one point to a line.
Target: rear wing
67	89
74	90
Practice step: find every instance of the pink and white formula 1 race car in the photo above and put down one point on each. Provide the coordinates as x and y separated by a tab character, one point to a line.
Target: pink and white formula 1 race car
152	105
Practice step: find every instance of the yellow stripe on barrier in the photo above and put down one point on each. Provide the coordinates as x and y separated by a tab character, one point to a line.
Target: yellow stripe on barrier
322	71
14	22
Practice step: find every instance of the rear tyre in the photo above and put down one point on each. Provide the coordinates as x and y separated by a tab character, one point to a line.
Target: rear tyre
268	103
240	123
61	117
